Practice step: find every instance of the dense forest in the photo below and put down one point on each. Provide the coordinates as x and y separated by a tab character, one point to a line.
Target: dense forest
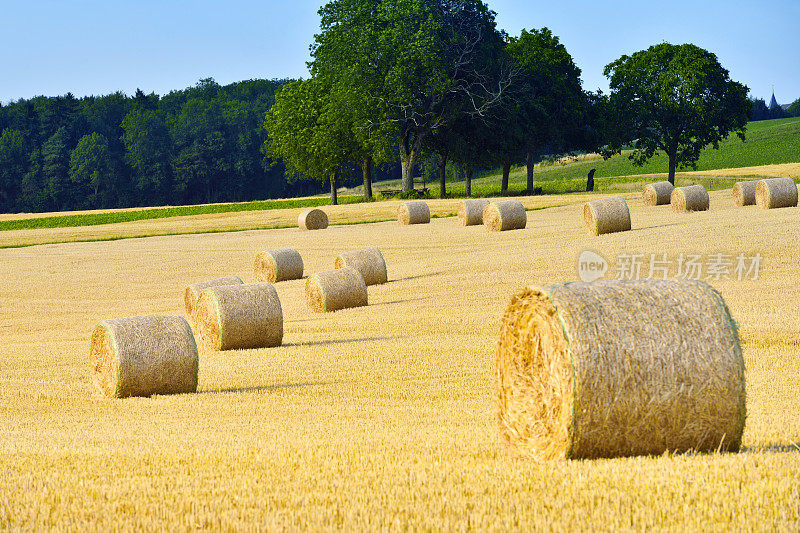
198	145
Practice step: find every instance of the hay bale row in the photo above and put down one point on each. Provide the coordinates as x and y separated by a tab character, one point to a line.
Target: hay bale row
231	317
607	215
744	193
505	215
581	376
775	193
415	212
312	219
470	211
193	291
691	198
142	356
280	264
368	262
336	289
658	193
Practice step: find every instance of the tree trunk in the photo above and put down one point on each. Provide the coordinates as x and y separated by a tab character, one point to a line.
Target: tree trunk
442	175
673	156
366	170
590	181
530	161
408	160
506	172
468	180
334	192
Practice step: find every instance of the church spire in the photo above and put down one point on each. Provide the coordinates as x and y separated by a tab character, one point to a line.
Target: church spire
773	103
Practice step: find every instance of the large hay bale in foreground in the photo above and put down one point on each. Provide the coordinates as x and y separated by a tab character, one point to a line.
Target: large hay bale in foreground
619	368
336	289
369	262
607	215
416	212
691	198
310	219
143	355
232	317
505	215
280	264
192	292
657	193
775	193
744	193
470	212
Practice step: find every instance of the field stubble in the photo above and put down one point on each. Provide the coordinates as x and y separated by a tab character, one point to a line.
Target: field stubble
374	417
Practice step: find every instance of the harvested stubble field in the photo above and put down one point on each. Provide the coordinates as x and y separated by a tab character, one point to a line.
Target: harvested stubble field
374	417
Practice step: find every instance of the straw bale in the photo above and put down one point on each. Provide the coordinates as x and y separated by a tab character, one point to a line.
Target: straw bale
369	262
280	264
470	212
193	291
607	215
505	215
744	193
143	355
313	218
416	212
774	193
336	289
619	368
657	193
232	317
691	198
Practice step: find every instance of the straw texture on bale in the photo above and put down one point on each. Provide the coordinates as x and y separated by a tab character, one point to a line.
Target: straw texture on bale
193	291
774	193
505	215
657	193
607	215
143	355
280	264
744	193
235	317
369	262
470	212
691	198
313	218
416	212
619	368
336	289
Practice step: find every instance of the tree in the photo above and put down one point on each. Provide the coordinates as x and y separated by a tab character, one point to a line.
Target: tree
147	143
13	165
420	63
90	169
55	169
794	108
675	98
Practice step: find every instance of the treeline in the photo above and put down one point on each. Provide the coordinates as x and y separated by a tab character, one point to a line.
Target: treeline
761	111
198	145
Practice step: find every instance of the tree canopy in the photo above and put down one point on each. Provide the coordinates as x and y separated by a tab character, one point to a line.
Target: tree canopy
674	98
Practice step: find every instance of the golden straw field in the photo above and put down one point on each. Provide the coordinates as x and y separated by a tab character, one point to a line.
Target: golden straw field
377	417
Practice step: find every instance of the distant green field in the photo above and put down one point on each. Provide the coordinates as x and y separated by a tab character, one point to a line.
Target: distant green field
95	219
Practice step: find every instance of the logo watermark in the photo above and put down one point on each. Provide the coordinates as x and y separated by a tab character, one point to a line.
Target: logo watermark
592	266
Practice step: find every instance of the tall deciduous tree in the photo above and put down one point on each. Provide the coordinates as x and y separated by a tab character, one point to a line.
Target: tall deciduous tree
90	169
13	164
147	145
675	98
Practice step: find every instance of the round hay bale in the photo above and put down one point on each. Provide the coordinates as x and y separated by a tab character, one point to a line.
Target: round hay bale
313	218
657	193
369	262
336	289
232	317
774	193
143	355
470	212
619	368
607	215
415	212
280	264
193	291
744	193
505	215
691	198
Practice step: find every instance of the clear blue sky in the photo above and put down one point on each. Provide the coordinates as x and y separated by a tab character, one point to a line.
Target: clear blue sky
96	47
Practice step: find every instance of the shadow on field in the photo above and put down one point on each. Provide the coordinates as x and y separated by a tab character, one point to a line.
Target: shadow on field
655	227
398	302
772	448
267	388
416	277
344	341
